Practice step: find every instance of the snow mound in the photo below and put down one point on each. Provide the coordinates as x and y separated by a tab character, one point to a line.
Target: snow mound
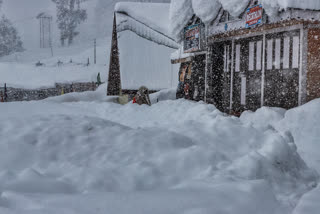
309	204
167	94
215	199
31	181
263	117
284	4
180	13
235	7
206	10
101	147
304	124
99	95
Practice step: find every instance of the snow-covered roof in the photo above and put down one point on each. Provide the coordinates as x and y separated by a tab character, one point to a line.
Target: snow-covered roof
148	20
44	15
181	11
301	4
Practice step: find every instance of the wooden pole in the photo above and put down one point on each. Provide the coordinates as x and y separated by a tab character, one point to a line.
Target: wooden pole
95	51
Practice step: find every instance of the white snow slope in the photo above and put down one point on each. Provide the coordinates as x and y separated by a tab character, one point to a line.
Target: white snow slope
83	154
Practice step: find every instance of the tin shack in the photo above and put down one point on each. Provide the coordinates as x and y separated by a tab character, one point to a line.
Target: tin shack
141	48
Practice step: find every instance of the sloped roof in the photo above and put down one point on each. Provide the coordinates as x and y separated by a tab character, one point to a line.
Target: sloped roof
148	20
207	10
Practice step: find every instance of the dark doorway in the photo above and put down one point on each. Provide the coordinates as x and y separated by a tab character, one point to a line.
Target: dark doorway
215	77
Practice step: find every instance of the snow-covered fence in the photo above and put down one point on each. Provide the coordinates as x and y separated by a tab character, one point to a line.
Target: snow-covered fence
19	94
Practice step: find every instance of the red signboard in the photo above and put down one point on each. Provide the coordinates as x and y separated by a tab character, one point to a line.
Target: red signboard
254	15
192	38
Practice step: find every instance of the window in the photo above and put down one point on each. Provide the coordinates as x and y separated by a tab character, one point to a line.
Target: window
251	56
226	58
224	17
278	54
238	56
269	54
295	52
259	51
286	53
243	90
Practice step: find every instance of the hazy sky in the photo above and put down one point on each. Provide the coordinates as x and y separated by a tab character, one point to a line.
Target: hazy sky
20	9
23	14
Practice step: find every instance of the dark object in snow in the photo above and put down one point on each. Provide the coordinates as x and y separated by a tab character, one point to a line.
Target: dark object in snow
38	64
98	80
59	63
88	62
142	96
1	97
5	98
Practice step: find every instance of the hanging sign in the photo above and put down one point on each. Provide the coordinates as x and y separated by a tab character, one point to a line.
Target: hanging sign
192	38
254	15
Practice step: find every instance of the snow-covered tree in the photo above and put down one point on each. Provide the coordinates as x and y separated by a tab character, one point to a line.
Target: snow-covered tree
10	41
69	16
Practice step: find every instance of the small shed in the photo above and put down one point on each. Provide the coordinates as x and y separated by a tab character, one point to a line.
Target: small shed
263	55
141	48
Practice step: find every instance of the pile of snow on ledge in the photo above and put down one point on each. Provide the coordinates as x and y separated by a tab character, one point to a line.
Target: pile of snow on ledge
181	11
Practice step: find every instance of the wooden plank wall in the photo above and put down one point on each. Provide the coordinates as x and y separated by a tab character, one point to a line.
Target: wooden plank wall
313	75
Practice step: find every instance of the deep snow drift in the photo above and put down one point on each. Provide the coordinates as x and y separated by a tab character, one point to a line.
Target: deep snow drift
303	123
83	153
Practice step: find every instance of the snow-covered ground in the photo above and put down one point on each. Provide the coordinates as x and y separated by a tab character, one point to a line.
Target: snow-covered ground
82	153
20	70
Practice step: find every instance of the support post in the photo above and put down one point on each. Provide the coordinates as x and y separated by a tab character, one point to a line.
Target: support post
95	51
263	74
232	76
206	85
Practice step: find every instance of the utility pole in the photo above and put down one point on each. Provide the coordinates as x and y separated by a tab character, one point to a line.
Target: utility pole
95	51
5	93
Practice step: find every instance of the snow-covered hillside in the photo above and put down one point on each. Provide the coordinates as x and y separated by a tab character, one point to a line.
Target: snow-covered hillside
19	69
83	153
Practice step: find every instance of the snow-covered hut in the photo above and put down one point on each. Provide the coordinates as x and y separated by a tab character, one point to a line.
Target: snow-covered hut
141	48
258	53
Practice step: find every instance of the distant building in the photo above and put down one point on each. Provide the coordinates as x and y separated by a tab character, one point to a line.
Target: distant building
254	59
141	48
45	23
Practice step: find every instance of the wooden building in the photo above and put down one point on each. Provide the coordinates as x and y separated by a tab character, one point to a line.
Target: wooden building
256	60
